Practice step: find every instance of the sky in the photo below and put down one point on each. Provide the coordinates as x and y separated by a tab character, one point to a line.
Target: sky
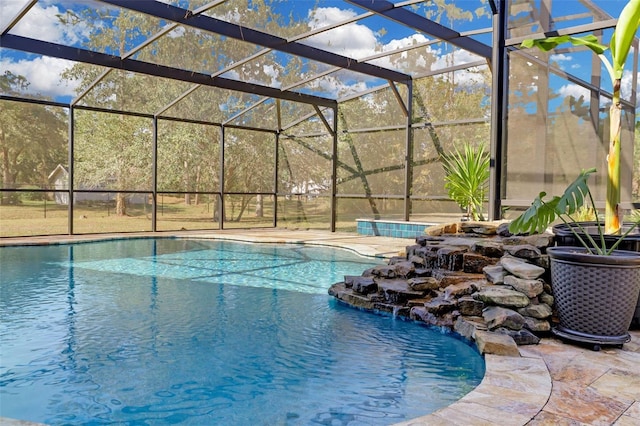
355	40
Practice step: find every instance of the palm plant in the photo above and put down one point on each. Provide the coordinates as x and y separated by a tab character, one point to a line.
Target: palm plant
467	175
621	40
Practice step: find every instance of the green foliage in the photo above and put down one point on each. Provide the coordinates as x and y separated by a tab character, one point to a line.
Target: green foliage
626	28
550	43
32	140
634	216
543	213
586	214
467	175
623	35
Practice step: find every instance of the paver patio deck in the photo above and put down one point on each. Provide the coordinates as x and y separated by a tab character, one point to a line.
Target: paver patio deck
552	383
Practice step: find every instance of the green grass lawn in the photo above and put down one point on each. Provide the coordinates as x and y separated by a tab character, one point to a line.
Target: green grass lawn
30	218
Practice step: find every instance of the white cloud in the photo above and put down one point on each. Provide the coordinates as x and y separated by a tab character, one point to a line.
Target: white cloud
562	60
273	72
574	90
625	87
457	57
416	60
42	23
324	16
353	40
9	9
561	57
43	74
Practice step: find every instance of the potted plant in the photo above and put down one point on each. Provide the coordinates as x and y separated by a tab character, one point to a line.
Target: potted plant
466	180
596	287
621	40
619	47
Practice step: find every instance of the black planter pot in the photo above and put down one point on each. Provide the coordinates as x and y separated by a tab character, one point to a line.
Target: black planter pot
595	295
564	237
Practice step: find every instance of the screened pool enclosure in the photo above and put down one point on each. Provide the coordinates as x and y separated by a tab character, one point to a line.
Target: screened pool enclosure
123	116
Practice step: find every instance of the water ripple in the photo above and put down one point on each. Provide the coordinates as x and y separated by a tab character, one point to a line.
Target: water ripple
111	333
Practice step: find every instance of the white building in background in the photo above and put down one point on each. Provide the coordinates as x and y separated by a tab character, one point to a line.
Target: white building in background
59	180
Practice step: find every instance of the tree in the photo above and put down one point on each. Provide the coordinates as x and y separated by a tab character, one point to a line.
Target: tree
29	152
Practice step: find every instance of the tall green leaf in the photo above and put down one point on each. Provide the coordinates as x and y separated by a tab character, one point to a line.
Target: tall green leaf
626	28
542	213
467	173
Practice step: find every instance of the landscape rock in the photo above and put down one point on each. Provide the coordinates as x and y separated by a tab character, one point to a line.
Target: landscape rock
537	325
546	298
474	263
445	228
423	283
495	274
449	278
503	230
397	291
488	249
449	258
341	292
497	316
521	269
440	305
501	295
521	337
482	228
469	306
524	251
488	288
460	289
404	269
496	343
539	311
531	288
384	271
362	285
467	326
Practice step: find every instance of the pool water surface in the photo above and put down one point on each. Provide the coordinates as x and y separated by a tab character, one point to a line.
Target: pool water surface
178	331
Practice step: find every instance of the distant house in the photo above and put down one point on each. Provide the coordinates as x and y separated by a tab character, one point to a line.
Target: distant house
309	189
59	179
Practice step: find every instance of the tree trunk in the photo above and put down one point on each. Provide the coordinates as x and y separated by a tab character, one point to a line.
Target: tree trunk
243	205
8	179
259	206
612	214
121	204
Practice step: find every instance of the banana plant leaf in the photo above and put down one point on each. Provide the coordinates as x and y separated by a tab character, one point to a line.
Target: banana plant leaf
542	213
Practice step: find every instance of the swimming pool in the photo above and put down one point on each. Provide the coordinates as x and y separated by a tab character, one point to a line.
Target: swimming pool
176	331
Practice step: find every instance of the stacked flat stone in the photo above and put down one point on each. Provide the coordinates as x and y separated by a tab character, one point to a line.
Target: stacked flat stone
472	278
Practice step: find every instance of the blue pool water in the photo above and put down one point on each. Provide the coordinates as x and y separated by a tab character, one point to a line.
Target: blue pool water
172	331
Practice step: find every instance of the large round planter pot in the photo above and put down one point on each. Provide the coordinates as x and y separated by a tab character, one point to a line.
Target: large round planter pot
595	295
564	237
